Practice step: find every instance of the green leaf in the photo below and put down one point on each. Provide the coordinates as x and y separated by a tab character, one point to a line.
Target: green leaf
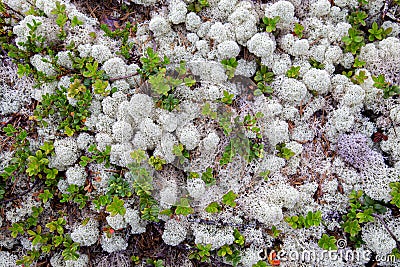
45	196
229	199
116	207
227	98
208	177
352	227
76	22
138	155
213	207
327	242
395	193
159	83
365	216
183	207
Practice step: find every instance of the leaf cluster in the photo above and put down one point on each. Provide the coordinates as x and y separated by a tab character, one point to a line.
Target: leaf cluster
197	6
262	78
230	66
311	219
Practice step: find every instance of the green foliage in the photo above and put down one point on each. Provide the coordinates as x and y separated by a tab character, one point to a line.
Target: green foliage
28	259
33	219
202	253
275	231
230	66
224	250
72	118
213	207
143	186
76	22
57	225
234	257
293	72
376	33
34	43
357	18
298	30
45	196
327	242
157	162
18	164
123	33
101	201
270	23
229	199
264	174
100	86
260	263
16	228
362	209
37	237
395	193
138	156
118	186
38	165
227	98
208	177
284	152
250	123
62	18
197	6
315	64
164	86
170	102
159	83
76	194
70	250
311	219
116	207
97	156
152	63
180	151
155	263
388	89
360	78
207	111
354	41
262	78
183	207
239	238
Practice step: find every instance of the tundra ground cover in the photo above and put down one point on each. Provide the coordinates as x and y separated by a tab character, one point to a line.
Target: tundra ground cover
199	133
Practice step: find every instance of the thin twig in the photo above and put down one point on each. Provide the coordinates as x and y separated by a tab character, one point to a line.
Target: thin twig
380	218
21	194
122	77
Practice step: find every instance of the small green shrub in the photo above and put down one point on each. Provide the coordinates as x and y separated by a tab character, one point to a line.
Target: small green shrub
311	219
230	66
354	41
376	33
197	6
327	242
262	78
202	253
293	72
298	30
270	23
284	152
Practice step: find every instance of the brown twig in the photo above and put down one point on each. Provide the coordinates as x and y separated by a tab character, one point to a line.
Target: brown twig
21	194
122	77
380	218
